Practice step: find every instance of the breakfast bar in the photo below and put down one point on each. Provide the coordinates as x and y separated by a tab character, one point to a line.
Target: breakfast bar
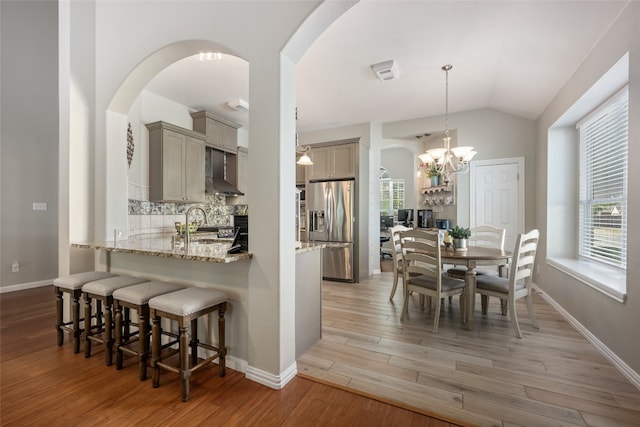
206	263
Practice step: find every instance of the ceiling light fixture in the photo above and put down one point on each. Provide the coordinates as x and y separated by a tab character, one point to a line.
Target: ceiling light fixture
447	161
304	160
209	56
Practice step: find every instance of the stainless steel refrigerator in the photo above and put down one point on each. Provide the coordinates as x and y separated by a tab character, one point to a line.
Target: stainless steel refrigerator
332	220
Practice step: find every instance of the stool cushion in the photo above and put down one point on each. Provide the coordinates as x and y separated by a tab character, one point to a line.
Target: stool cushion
142	293
76	281
187	301
106	287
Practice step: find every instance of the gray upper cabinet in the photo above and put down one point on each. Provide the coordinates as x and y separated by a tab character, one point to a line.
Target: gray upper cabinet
333	162
221	134
176	164
300	172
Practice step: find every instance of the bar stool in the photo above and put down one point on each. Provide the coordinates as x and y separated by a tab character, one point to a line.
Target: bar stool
136	297
102	292
186	306
72	285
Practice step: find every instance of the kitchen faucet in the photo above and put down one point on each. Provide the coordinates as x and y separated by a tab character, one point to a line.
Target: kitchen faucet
186	226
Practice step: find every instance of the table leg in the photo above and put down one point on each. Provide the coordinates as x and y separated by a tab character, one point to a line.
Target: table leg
470	290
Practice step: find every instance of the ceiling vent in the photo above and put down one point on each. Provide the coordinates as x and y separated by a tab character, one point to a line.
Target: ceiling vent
386	70
238	104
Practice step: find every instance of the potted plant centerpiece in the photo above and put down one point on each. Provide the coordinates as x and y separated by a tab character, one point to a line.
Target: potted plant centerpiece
460	237
433	175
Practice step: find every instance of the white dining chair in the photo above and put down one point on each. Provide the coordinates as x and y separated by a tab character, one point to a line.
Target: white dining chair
423	274
488	236
518	284
396	255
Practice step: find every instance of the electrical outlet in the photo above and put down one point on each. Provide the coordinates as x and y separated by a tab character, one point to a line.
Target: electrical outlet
39	206
15	267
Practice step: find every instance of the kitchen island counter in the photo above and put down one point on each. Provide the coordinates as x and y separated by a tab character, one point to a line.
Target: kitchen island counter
169	246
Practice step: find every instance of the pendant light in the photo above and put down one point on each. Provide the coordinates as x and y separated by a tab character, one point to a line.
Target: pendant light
448	161
304	160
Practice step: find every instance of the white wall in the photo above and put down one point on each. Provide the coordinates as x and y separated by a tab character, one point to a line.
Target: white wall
494	135
29	150
612	323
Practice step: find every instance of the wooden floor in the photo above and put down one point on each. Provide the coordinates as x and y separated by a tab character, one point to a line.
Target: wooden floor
42	384
488	377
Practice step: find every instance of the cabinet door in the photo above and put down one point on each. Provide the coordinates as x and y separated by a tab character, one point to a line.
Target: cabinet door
172	165
193	170
343	159
215	133
229	138
321	167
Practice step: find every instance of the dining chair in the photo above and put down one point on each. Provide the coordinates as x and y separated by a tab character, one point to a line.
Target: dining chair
518	284
394	233
488	236
423	274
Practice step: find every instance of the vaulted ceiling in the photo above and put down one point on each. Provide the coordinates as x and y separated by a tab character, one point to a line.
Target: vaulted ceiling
512	56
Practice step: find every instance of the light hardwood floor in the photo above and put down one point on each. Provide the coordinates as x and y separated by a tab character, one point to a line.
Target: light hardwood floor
42	384
551	377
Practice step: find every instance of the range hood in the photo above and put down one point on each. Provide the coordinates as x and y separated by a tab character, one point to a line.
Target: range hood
219	166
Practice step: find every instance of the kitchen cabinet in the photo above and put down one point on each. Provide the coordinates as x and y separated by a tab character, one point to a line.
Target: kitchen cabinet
333	161
221	134
176	164
243	174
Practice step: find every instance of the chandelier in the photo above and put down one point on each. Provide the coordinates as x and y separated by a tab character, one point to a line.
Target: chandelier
445	160
304	160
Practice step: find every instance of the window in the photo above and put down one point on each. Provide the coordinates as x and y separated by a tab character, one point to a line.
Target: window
603	136
391	193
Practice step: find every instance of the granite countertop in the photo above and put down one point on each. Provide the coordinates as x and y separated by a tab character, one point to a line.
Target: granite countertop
169	246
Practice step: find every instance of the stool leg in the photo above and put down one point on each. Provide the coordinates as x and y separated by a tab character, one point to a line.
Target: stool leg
87	326
59	322
185	372
75	310
108	336
143	340
194	342
127	324
222	349
118	332
155	345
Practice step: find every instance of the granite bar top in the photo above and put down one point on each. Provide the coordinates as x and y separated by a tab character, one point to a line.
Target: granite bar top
309	246
170	246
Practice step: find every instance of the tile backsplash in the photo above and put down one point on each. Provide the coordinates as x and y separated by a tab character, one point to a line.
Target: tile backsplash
154	217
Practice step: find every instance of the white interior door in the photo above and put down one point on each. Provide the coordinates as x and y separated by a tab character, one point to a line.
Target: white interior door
497	195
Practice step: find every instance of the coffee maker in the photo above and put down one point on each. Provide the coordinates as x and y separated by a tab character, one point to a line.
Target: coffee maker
425	218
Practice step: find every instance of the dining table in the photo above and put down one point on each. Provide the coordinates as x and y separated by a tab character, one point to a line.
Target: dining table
472	257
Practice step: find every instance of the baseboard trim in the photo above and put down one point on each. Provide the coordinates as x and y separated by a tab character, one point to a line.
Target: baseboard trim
624	369
24	286
276	382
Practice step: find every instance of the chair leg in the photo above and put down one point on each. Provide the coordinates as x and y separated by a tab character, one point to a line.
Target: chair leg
193	344
87	326
405	306
484	303
155	345
108	336
503	307
436	317
75	310
395	285
514	316
143	342
185	372
532	315
118	335
222	348
59	321
463	308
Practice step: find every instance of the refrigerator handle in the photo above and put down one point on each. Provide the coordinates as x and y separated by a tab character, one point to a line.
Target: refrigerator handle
330	209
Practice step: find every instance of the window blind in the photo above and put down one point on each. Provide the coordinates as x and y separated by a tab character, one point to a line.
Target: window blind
603	138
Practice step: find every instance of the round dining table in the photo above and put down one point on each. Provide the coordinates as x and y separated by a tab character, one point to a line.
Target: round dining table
472	257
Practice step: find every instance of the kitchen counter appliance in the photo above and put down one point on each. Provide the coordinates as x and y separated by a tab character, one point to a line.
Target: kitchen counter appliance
332	220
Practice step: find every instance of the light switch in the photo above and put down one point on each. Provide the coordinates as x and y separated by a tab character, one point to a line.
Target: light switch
39	206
